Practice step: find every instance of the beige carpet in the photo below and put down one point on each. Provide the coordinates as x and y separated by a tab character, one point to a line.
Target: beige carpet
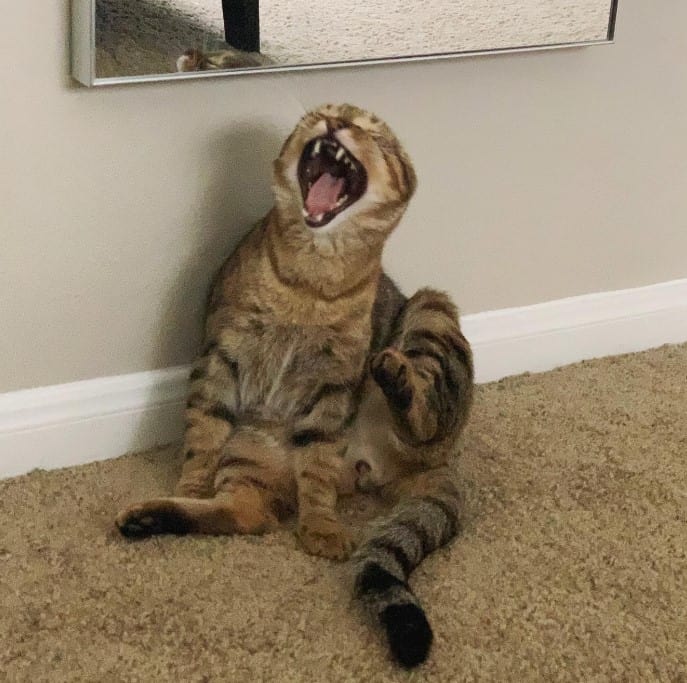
572	566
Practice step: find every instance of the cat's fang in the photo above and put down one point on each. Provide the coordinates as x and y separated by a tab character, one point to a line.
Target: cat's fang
341	201
317	148
340	153
305	213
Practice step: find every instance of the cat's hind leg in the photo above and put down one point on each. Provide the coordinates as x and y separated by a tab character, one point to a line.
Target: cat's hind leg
254	489
425	517
426	373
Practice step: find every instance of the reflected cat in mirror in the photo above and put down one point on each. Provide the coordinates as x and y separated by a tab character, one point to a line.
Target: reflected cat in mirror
197	60
319	377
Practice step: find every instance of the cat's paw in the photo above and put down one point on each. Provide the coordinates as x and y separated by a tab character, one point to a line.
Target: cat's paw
391	370
325	538
154	517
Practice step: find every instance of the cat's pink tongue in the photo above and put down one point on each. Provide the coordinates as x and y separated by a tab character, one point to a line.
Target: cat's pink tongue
324	194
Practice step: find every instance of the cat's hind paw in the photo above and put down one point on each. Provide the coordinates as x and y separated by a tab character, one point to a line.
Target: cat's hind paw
152	518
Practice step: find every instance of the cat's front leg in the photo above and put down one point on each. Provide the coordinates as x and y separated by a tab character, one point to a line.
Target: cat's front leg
210	417
318	470
319	441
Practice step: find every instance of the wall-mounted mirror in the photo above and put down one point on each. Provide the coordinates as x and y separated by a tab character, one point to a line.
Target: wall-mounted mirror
116	41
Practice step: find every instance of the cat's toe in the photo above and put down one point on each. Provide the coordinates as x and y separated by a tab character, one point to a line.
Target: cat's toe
389	369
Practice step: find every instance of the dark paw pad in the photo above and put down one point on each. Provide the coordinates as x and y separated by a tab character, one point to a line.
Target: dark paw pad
142	523
390	370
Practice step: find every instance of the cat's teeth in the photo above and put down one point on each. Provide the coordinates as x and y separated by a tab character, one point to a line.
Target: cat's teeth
318	147
340	153
319	217
341	201
305	213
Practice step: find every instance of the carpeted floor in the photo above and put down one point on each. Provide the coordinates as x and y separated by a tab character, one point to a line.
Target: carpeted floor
572	565
137	37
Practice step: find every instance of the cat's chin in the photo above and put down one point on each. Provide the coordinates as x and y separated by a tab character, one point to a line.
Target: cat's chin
327	228
323	223
319	221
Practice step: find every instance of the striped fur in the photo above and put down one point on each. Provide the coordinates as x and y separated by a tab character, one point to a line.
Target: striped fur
196	60
421	387
318	377
383	564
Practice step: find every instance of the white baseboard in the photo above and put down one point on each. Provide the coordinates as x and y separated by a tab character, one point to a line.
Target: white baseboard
547	335
95	419
71	424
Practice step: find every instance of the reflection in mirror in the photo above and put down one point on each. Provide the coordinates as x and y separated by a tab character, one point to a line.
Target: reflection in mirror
135	38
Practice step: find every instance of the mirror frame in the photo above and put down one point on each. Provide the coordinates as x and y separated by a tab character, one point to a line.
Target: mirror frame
83	53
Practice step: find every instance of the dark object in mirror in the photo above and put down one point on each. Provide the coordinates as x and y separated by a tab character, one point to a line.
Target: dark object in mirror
117	41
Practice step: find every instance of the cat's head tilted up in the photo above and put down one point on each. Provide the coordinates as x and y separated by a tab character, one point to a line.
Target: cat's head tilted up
340	166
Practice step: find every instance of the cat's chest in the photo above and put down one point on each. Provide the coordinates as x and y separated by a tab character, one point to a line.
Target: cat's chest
279	364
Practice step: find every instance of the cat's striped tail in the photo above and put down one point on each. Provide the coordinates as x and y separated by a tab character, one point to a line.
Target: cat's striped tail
397	544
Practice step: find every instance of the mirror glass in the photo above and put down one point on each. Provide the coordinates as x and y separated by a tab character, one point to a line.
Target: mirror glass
166	38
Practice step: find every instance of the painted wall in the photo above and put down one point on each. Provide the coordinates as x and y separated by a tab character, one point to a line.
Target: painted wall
541	176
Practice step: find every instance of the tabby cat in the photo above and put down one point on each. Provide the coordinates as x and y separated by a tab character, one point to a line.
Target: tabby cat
318	376
230	58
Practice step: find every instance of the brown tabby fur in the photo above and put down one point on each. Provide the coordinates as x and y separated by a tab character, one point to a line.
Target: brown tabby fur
318	377
197	60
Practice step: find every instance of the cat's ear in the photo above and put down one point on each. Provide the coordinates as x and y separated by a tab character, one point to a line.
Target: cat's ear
409	175
404	173
286	144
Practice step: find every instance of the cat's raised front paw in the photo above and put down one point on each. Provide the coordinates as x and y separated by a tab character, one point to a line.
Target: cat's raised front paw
391	370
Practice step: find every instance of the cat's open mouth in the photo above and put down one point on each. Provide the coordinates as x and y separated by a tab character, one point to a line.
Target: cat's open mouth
331	179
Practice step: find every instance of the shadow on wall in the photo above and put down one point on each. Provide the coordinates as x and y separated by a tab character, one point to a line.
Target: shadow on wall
236	199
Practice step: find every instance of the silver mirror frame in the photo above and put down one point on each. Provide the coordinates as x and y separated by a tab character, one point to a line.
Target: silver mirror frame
84	68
